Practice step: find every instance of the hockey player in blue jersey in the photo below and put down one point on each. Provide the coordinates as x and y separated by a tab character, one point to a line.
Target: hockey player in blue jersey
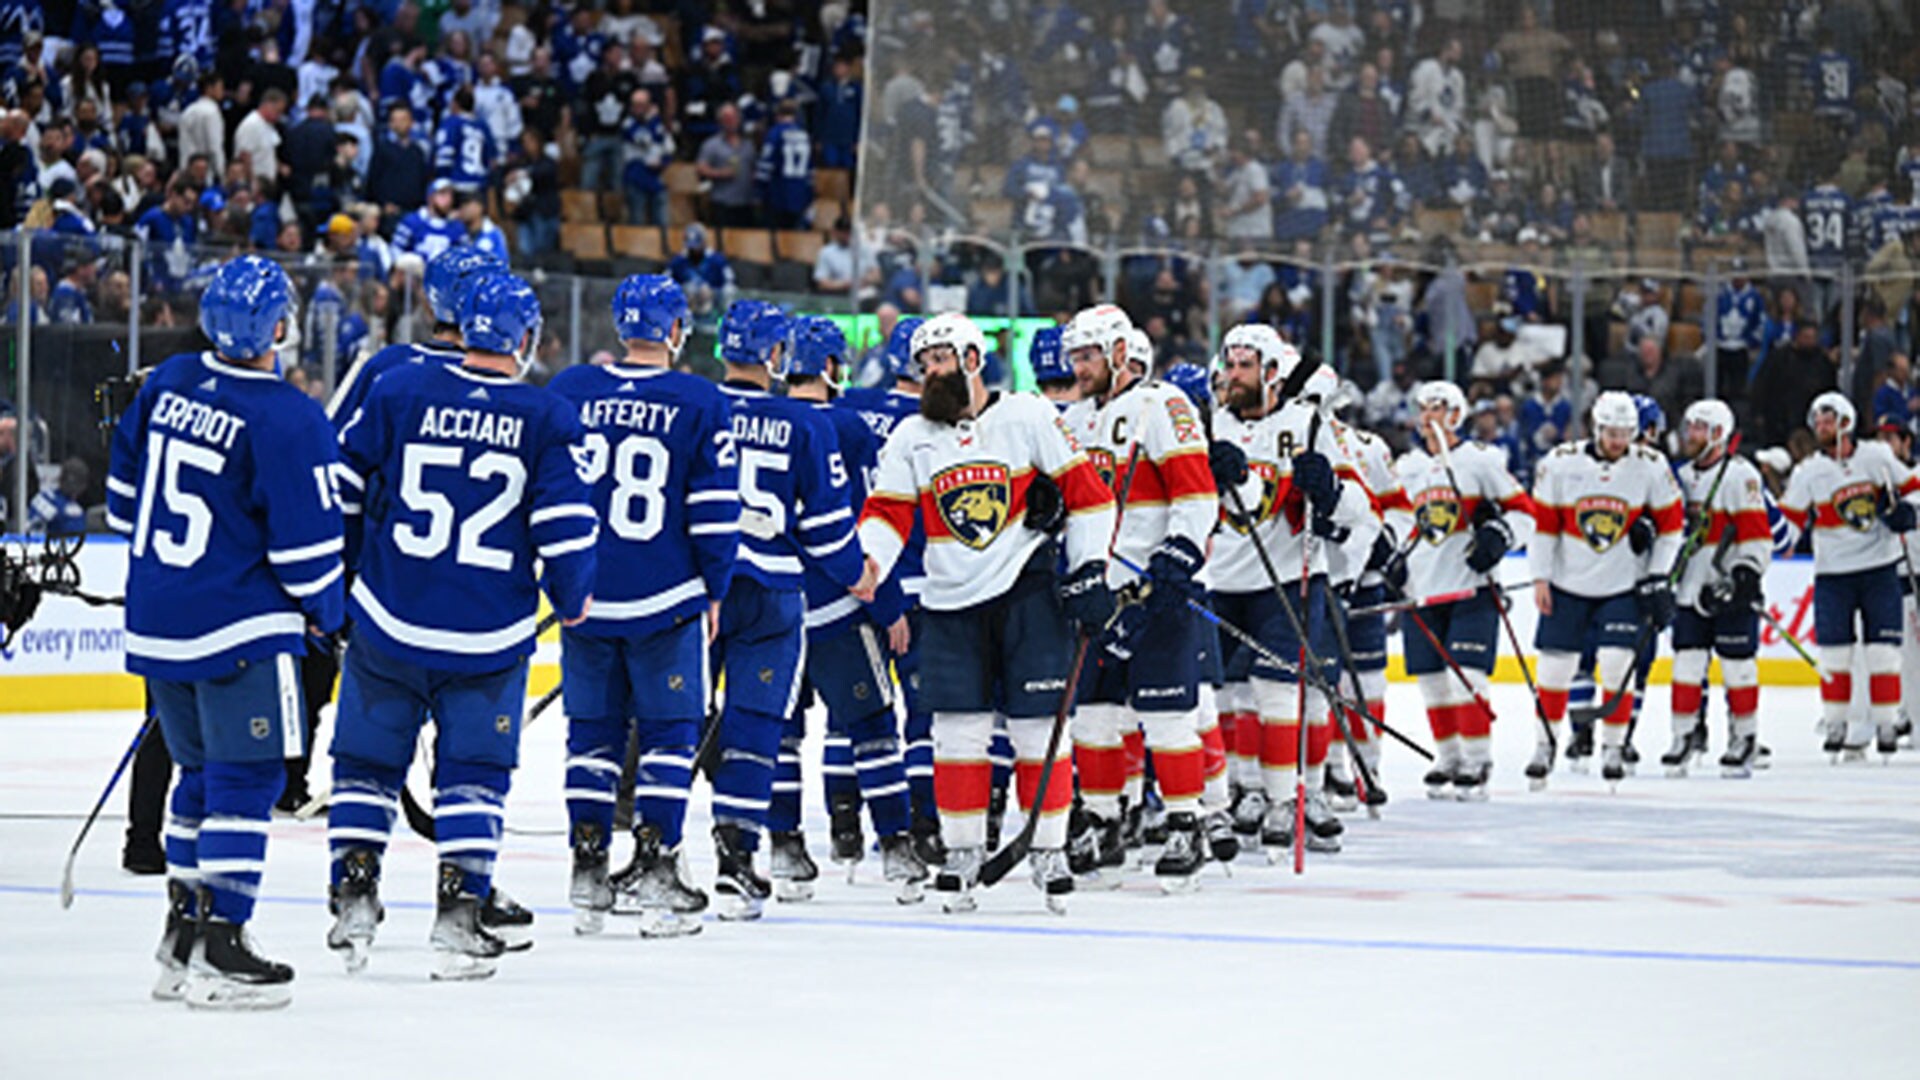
432	228
459	487
448	277
659	455
1051	370
846	664
221	478
794	505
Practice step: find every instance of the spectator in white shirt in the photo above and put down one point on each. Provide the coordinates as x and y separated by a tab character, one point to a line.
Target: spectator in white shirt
258	138
203	130
833	267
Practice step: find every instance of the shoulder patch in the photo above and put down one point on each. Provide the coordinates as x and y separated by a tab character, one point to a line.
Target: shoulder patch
1186	426
1060	421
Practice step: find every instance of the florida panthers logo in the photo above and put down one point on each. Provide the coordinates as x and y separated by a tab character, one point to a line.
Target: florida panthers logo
1269	475
973	501
1436	514
1602	521
1102	460
1858	505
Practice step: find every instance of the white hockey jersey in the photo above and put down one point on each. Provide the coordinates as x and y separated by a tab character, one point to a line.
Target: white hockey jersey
1584	507
1278	508
967	483
1735	525
1443	516
1841	497
1171	490
1372	464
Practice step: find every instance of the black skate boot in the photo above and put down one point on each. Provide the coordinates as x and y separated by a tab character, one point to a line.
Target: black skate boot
736	878
1580	747
1613	767
1276	830
957	877
847	842
1737	762
1886	739
996	817
1051	877
229	973
463	948
1469	781
900	863
143	855
1338	783
1249	812
927	845
1323	825
655	887
1222	843
590	891
1540	767
176	944
507	920
1154	827
790	866
1685	747
1182	854
355	903
1439	778
1629	756
1835	740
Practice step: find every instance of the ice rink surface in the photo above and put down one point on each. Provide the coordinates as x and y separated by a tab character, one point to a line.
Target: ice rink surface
1682	927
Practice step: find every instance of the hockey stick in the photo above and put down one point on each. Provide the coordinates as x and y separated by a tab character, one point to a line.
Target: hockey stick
1003	861
1446	654
66	874
419	818
1408	603
1786	635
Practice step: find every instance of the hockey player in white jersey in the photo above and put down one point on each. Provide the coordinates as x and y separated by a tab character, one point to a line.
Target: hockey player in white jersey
1152	434
1899	437
995	608
1860	501
1466	513
1719	589
1595	565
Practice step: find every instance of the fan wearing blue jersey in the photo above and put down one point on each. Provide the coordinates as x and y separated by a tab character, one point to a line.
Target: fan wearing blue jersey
795	498
659	456
222	478
462	147
462	484
846	661
433	228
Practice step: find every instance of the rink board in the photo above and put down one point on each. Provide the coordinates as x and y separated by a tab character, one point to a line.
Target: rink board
73	657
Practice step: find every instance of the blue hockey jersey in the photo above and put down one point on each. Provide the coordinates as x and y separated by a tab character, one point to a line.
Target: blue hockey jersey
795	494
784	173
659	456
455	482
221	478
882	410
352	391
462	152
1827	212
427	234
831	609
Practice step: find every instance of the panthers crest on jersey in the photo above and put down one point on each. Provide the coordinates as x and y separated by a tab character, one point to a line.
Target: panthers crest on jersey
1444	516
1841	498
1585	506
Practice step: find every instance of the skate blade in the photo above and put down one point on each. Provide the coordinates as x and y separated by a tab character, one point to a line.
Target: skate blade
1442	792
1057	905
740	909
1676	772
588	921
1279	854
215	994
354	952
1735	772
1613	787
1853	754
1536	783
792	892
1323	845
171	985
1373	811
960	904
451	965
1476	793
853	870
517	939
910	892
1180	884
1345	805
667	924
1579	765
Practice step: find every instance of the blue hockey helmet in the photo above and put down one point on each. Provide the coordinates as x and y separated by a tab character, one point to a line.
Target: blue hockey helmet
243	306
500	314
1194	381
450	274
1653	419
817	341
750	331
899	348
1047	359
647	307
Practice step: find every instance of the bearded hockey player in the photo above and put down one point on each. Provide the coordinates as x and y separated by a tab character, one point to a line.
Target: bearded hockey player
1859	500
1595	566
459	486
996	610
1467	513
221	480
658	454
1719	591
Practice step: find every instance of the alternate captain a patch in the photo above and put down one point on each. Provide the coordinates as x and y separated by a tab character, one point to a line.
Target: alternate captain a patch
1602	521
973	501
1858	505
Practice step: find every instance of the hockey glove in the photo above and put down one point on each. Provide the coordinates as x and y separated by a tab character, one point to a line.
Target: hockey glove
1715	597
1046	509
1085	598
1313	475
1328	529
1640	535
1655	597
1897	513
1746	589
1492	539
1388	560
1228	464
1170	573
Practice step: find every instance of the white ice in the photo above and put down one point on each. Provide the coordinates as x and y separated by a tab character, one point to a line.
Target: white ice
1683	927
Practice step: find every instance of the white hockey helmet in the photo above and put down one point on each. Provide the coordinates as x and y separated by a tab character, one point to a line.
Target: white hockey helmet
1835	402
1440	394
949	328
1322	389
1100	327
1140	350
1615	409
1715	416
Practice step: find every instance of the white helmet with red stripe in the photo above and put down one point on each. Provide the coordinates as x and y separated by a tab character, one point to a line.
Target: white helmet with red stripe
1835	402
1440	394
1101	327
1714	415
1280	361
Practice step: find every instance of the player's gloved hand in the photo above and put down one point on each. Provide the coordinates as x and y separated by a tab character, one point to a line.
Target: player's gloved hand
1640	535
1388	560
1492	539
1046	509
1330	530
1085	597
1228	464
1170	573
1897	513
1746	588
1655	597
1313	475
1715	597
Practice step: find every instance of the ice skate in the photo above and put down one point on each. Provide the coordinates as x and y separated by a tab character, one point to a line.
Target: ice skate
900	864
590	892
790	866
1249	811
507	920
1375	796
745	890
1540	767
1182	854
357	911
1341	793
1439	778
462	947
1580	748
655	887
996	817
1052	877
1687	745
1886	738
1629	757
847	842
1222	844
227	971
176	944
1097	853
1737	762
1903	728
1613	767
1860	732
957	878
1834	740
927	845
1470	781
1323	827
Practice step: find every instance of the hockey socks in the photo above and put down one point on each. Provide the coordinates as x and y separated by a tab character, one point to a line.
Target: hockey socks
361	810
962	776
919	755
1099	757
1029	739
469	819
743	782
216	835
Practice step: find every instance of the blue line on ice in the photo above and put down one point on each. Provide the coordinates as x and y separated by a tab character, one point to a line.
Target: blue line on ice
1200	937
